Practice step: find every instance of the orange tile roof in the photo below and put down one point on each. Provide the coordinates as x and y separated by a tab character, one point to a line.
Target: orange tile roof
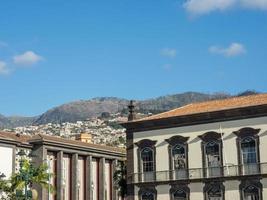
212	106
15	137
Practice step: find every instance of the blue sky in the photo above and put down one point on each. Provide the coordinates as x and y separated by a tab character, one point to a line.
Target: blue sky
53	51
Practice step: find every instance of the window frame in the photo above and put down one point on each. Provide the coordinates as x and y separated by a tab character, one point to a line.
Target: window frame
147	162
242	150
148	189
209	185
182	186
250	182
206	139
146	143
173	142
242	134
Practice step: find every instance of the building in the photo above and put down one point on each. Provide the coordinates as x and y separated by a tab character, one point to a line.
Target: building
82	170
215	150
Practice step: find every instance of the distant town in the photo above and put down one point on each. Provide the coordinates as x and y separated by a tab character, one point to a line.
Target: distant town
104	130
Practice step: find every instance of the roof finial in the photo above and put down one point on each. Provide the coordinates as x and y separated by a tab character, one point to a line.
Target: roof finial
131	115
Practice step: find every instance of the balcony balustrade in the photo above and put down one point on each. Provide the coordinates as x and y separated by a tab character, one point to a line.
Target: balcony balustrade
199	173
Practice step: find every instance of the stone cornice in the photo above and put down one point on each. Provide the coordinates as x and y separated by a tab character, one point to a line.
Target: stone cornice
195	119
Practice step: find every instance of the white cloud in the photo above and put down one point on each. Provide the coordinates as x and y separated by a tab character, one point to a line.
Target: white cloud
256	4
3	68
167	52
232	50
200	7
27	58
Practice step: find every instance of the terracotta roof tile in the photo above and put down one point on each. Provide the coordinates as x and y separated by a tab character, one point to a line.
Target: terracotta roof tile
212	106
15	137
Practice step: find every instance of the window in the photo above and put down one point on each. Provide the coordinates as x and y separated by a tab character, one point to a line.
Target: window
179	162
248	150
147	160
178	153
251	189
147	196
215	194
179	195
214	191
147	193
213	159
251	193
212	154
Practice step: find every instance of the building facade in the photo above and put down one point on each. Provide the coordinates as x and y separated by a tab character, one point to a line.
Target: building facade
82	171
213	150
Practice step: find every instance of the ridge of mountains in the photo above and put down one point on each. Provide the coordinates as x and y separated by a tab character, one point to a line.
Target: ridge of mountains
84	109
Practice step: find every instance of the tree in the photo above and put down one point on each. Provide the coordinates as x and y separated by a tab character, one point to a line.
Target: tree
6	191
27	176
120	179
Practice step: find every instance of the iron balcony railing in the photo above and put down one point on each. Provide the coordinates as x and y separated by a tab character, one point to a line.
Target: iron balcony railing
199	173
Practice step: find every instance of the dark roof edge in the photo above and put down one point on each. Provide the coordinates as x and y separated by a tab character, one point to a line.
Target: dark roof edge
42	140
198	118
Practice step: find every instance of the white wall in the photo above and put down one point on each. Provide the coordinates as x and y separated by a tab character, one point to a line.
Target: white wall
95	178
196	191
6	163
81	178
108	179
194	142
232	189
66	177
264	186
195	152
51	162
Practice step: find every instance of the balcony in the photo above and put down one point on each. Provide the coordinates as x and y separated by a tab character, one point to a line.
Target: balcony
199	173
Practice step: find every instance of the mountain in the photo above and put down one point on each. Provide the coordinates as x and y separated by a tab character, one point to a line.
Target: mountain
15	121
4	121
80	110
83	109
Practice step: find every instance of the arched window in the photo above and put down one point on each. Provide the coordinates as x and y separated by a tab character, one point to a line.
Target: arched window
212	154
147	196
147	193
179	159
212	150
214	191
251	193
213	158
248	150
179	195
249	156
147	158
179	162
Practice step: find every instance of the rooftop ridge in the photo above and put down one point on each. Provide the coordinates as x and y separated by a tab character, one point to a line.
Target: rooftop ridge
41	137
211	106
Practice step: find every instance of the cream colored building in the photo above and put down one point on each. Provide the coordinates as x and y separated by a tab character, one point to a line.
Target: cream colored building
82	170
214	150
